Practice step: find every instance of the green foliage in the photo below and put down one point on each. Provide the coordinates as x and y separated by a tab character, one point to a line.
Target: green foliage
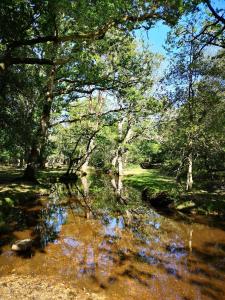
93	50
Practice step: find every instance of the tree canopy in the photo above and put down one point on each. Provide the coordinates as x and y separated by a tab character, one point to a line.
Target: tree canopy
77	87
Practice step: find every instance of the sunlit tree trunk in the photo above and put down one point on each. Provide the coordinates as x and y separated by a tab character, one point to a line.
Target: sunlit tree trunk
85	184
189	182
124	137
191	94
90	148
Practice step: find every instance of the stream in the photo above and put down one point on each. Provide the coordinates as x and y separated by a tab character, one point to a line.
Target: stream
99	234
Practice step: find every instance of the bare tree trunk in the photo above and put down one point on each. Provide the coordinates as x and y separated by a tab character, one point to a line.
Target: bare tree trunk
85	184
189	182
117	184
124	137
117	161
120	162
30	171
191	95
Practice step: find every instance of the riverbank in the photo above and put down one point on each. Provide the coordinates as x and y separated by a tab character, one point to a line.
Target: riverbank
13	189
199	201
27	287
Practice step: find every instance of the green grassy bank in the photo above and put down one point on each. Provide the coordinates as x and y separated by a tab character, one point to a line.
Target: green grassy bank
199	200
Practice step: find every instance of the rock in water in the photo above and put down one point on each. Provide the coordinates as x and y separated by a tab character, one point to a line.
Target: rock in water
22	245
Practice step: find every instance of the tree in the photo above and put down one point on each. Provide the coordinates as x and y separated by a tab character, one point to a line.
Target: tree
57	35
196	90
209	25
63	22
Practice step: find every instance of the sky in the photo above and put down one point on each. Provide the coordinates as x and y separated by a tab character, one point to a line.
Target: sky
155	38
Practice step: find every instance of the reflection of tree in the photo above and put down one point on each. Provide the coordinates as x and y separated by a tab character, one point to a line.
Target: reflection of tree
49	224
42	222
78	197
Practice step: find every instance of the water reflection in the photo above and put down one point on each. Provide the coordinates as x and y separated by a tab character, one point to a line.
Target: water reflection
97	233
50	221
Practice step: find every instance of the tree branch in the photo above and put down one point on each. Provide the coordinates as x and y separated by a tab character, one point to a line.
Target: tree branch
96	34
215	14
87	116
30	61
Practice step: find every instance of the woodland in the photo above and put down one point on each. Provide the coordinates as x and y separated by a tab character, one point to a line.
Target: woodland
82	93
78	89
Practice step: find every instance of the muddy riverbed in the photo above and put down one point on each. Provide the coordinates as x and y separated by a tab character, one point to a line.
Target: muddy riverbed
98	236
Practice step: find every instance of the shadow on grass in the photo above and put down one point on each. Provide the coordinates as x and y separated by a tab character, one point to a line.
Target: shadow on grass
196	202
151	179
9	174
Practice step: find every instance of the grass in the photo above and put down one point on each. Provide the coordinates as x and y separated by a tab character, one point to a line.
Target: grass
141	178
199	200
14	191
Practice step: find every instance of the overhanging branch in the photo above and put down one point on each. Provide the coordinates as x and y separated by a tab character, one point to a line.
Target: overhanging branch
96	34
213	11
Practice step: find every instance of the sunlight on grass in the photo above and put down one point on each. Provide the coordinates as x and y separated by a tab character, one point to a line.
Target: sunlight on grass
141	178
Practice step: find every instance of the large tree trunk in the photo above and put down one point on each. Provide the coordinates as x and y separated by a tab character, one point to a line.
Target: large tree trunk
124	137
30	171
40	141
89	149
117	184
42	157
117	161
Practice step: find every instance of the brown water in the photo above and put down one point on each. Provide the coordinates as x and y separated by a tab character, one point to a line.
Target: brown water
102	237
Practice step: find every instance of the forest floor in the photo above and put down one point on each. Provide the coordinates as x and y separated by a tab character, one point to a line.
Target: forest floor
12	187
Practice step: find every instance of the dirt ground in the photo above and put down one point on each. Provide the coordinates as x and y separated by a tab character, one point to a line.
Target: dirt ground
41	288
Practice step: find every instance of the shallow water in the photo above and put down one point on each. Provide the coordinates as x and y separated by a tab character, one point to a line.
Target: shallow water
98	234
